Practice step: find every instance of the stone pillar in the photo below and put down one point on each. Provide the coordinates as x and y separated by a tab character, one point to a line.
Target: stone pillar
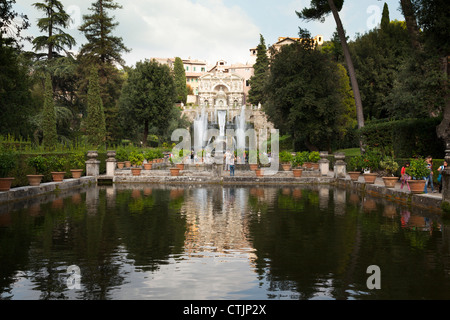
92	164
446	176
324	163
340	170
111	163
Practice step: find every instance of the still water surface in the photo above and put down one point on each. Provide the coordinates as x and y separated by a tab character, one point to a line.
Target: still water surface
214	242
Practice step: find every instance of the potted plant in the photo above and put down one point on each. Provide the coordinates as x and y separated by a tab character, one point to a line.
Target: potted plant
286	159
371	162
136	158
149	155
355	164
39	164
57	166
121	157
297	163
314	158
77	163
391	167
417	170
7	163
252	155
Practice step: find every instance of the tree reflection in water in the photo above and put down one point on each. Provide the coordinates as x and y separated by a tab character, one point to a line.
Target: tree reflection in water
221	242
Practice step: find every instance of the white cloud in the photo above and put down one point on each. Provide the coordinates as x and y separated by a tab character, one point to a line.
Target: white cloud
203	30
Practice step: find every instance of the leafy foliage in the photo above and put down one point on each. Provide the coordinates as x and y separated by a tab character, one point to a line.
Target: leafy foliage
95	122
302	85
50	136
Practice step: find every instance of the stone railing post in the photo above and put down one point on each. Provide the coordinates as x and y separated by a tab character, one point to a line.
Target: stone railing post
324	163
111	163
340	167
92	164
446	176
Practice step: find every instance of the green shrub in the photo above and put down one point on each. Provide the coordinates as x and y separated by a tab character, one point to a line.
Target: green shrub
39	164
418	168
8	161
285	156
390	165
314	156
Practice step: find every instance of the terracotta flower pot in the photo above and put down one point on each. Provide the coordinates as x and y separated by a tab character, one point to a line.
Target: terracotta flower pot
5	184
147	166
34	180
417	186
175	172
253	166
76	173
180	166
127	164
390	182
58	176
297	172
354	175
259	172
136	171
369	178
315	166
286	166
120	165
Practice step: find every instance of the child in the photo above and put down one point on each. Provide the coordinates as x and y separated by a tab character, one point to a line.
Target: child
405	177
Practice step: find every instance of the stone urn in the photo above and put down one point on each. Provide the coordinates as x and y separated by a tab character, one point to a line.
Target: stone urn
369	178
390	182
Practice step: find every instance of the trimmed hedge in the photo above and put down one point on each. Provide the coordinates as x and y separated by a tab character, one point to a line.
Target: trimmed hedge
406	138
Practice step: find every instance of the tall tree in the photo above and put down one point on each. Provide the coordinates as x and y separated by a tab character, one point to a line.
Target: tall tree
302	85
318	10
411	23
55	20
385	17
180	80
50	135
148	97
433	19
95	122
104	50
12	24
102	47
256	93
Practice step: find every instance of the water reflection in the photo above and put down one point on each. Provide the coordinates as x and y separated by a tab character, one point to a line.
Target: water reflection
215	242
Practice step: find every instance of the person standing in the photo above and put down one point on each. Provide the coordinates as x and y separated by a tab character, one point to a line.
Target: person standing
231	163
439	179
429	178
405	177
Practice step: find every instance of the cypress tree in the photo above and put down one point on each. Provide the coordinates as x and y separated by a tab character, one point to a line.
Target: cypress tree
95	122
258	80
385	17
50	136
180	80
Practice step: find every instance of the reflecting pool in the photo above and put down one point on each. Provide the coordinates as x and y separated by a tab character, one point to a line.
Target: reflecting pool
220	242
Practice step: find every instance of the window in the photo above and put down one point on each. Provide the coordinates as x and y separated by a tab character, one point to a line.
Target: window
187	68
203	69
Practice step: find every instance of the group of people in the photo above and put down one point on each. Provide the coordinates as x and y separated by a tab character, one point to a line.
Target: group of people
428	179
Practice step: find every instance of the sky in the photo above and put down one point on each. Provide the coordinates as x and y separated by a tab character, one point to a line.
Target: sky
212	30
